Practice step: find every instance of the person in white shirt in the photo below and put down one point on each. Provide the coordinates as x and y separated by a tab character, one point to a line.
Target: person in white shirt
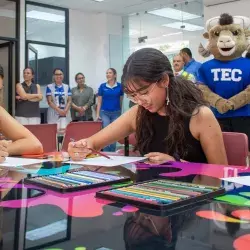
178	65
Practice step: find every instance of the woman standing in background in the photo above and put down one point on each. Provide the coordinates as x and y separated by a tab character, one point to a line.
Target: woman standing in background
27	100
109	104
59	100
82	100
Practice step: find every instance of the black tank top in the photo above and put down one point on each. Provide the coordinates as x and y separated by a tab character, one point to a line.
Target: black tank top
26	108
194	151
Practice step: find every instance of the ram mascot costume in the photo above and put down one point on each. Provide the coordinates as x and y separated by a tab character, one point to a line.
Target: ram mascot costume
225	80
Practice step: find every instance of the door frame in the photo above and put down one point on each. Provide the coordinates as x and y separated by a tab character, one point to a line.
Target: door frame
35	51
9	45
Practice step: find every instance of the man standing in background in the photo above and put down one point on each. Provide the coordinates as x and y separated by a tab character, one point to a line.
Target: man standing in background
191	66
178	65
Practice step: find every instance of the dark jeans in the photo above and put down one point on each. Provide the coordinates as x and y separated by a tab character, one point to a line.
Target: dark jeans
236	124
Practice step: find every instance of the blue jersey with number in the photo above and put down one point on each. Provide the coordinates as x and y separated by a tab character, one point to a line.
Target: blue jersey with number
227	79
59	94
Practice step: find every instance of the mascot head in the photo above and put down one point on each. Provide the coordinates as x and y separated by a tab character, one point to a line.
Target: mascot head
228	37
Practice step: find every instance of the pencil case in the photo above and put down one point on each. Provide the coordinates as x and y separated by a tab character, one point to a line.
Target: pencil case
162	195
76	180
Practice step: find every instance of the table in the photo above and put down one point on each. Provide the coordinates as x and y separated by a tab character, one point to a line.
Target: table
35	218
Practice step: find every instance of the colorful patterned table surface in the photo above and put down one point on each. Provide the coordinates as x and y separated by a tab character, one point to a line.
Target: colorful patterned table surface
32	217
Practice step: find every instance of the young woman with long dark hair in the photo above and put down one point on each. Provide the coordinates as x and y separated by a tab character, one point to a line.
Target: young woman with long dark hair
171	119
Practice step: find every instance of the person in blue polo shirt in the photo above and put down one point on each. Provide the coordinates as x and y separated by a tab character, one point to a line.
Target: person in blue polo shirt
191	66
110	96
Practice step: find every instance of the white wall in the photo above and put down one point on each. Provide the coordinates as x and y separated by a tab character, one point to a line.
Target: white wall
89	45
233	8
95	45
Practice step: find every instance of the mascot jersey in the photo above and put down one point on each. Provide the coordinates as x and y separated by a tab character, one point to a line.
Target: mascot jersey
227	78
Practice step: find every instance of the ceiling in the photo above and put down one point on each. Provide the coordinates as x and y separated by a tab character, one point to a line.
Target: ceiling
119	7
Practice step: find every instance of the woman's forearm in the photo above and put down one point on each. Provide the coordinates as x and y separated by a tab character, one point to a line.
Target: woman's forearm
68	106
53	105
98	108
25	146
74	106
30	97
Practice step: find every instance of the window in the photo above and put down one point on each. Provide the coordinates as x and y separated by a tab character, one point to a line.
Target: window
44	59
47	45
45	24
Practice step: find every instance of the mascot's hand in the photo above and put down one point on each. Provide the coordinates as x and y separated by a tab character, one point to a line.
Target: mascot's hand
241	99
223	105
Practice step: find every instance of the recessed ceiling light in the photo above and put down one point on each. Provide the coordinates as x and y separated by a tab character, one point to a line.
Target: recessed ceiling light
183	26
174	14
46	16
98	0
173	34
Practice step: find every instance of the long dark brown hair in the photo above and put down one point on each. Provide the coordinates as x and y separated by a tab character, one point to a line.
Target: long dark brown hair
150	65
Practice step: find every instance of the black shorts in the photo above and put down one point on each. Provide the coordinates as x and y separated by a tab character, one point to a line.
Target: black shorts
236	124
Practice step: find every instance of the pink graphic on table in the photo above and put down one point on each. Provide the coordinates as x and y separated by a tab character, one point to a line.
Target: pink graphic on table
189	168
242	243
77	204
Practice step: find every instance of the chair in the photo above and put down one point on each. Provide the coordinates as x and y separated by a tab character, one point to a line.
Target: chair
80	130
46	134
236	145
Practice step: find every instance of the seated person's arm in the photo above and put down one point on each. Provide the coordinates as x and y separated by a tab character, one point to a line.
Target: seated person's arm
23	141
119	129
206	128
24	96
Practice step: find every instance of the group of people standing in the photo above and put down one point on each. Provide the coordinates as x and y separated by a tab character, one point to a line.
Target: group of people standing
65	104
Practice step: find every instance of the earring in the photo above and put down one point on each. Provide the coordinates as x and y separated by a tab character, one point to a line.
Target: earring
167	99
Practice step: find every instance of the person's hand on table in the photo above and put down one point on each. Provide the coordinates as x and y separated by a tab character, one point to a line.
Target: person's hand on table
158	158
79	150
4	150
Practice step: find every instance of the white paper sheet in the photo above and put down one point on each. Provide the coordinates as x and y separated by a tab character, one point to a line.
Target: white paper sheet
102	161
243	180
16	162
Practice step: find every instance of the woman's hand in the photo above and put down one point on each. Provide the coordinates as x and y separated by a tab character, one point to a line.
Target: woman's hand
98	118
80	149
61	112
4	150
159	158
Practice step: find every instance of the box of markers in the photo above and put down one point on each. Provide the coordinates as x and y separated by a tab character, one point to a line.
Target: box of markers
76	180
162	195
